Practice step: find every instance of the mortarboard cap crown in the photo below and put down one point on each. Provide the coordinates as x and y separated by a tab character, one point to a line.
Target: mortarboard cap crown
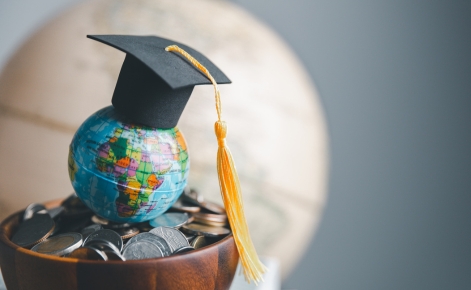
154	85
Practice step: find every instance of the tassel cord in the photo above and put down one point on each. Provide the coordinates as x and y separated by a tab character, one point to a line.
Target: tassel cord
230	187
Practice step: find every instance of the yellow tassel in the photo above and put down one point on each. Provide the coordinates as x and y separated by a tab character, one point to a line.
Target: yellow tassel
230	187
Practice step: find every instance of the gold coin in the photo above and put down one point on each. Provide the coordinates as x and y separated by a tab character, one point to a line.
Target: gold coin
207	231
213	207
199	242
210	223
127	233
182	206
212	219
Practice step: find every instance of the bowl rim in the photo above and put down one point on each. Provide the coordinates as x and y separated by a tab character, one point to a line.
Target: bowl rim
15	217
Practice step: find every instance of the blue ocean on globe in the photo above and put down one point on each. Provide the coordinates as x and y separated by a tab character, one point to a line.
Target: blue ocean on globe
125	172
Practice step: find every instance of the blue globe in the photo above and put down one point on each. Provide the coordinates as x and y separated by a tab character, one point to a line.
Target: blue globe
125	172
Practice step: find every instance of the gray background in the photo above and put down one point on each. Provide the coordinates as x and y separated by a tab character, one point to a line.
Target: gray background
395	82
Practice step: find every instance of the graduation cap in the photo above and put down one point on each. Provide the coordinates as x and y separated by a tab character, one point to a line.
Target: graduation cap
154	85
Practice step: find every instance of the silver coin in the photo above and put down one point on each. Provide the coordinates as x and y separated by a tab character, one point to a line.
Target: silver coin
154	239
59	245
88	253
183	250
174	238
193	197
189	237
33	230
142	250
113	225
90	229
207	231
67	225
171	219
99	220
108	235
32	209
193	193
113	256
56	211
74	208
102	245
127	233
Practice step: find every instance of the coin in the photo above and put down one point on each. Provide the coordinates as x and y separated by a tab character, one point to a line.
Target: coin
66	225
72	213
113	256
88	253
192	196
189	237
142	250
210	217
154	239
75	208
199	242
207	231
197	199
113	225
90	229
212	224
102	245
108	235
213	207
59	245
72	202
56	211
182	206
193	193
127	233
144	227
183	250
172	220
99	220
173	237
31	210
34	230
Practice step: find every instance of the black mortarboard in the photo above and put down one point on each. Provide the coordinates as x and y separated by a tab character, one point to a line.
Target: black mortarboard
154	85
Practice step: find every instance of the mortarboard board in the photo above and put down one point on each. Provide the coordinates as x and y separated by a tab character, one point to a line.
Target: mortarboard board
154	86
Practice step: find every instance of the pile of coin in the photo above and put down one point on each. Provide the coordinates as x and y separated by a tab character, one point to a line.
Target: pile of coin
72	230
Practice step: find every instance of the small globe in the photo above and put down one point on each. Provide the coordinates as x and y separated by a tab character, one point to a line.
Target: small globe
125	172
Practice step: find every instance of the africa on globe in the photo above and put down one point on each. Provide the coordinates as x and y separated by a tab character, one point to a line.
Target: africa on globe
126	172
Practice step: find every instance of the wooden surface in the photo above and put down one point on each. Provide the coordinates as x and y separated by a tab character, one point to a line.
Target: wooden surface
212	267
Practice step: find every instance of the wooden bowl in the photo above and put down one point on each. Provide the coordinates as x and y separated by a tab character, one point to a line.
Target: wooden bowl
211	267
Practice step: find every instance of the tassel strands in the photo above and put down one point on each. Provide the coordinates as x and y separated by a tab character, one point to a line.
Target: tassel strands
230	187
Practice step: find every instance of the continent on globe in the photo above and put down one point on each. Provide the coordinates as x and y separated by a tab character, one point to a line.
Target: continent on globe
122	170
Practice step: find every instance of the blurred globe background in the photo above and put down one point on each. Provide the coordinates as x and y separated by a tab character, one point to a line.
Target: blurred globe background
277	131
394	81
